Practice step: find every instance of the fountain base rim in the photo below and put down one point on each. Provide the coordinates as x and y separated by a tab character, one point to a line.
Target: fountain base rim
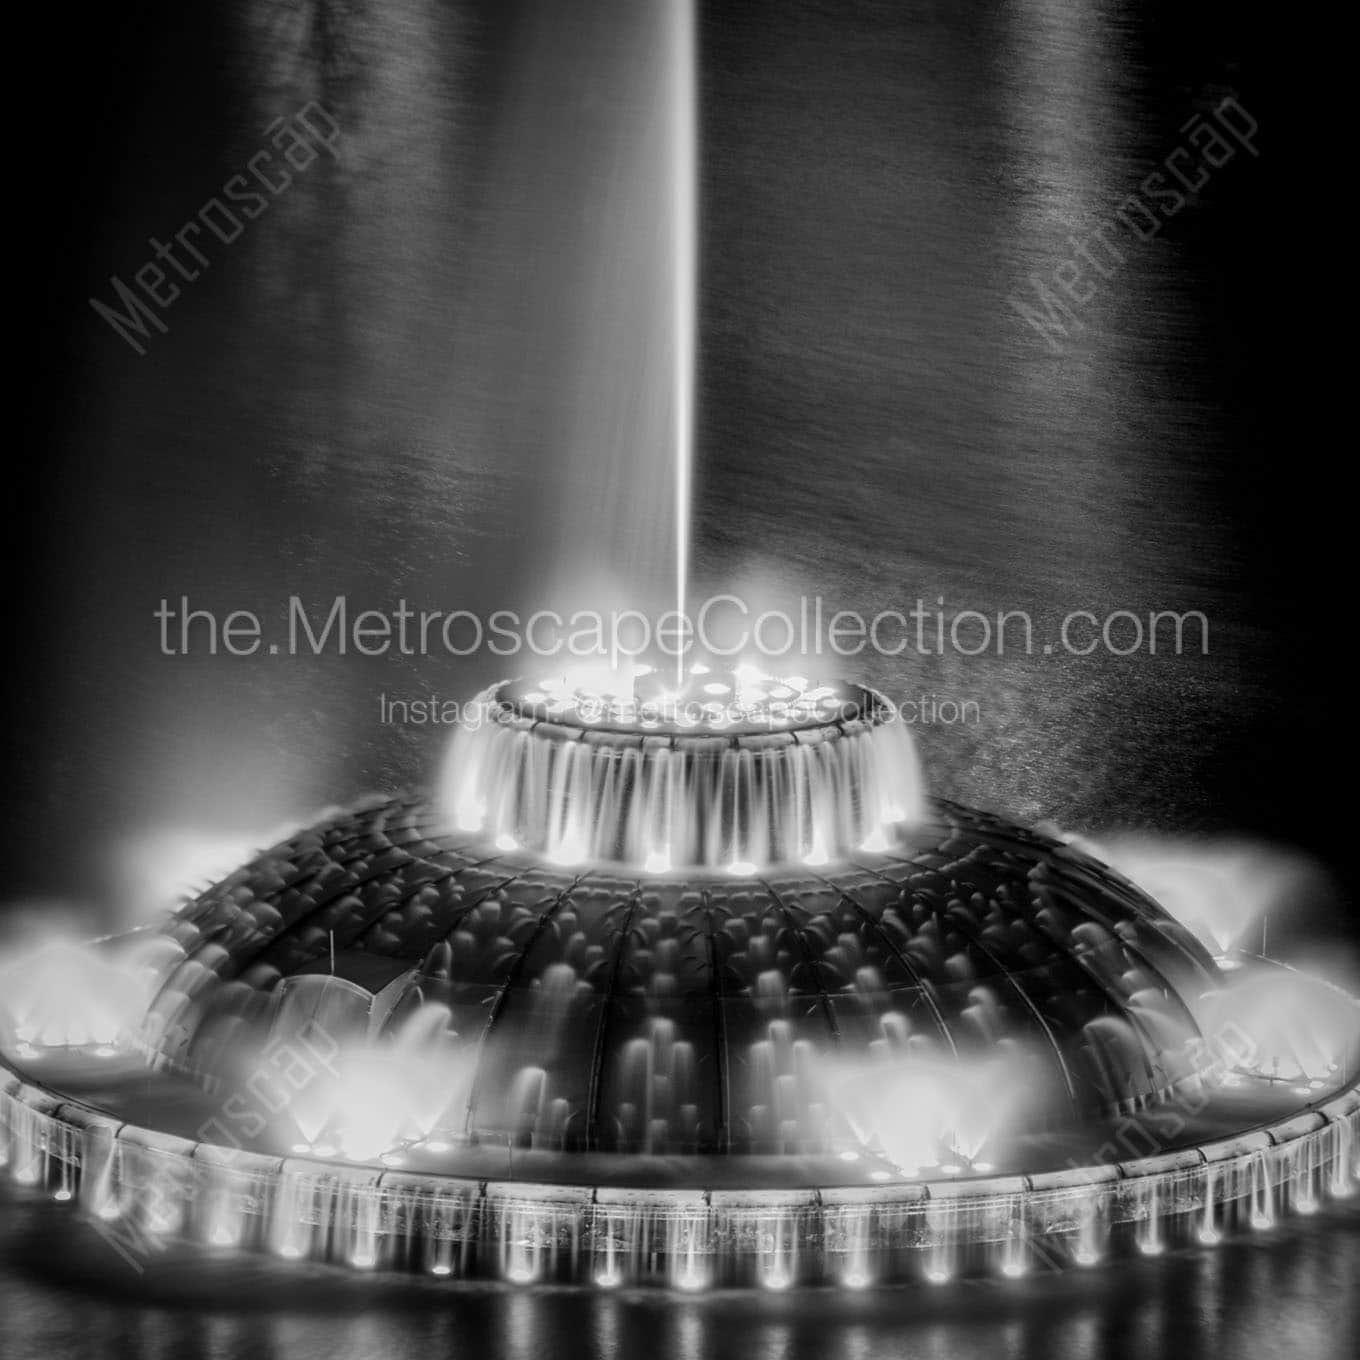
459	1226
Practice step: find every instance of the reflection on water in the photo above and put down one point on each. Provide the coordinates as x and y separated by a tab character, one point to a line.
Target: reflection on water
66	1293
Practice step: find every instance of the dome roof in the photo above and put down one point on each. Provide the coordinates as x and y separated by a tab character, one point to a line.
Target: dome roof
606	1008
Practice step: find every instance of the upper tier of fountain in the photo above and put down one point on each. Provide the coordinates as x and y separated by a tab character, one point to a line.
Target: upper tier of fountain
722	771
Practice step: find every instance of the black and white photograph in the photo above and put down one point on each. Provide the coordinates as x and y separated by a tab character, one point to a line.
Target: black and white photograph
672	690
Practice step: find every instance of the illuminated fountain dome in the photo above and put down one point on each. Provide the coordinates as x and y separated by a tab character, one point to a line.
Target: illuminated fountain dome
691	987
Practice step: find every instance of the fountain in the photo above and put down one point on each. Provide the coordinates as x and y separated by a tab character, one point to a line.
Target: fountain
724	769
679	978
683	985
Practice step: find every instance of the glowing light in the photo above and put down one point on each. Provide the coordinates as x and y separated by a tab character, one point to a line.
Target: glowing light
741	867
1209	1237
608	1279
163	1220
1012	1270
849	1156
82	996
61	1195
469	813
937	1275
855	1279
363	1260
658	862
441	1269
506	842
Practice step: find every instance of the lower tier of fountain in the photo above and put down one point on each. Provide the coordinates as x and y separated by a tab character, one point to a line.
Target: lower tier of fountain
385	1043
145	1157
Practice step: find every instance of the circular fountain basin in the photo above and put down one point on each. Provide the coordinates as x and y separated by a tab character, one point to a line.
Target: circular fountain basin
389	1043
714	772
